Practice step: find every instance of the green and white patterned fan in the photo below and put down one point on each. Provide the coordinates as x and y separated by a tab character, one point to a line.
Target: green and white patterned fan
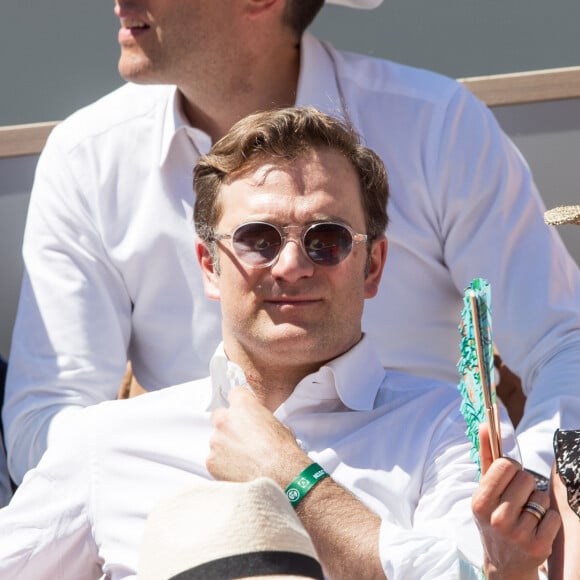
476	367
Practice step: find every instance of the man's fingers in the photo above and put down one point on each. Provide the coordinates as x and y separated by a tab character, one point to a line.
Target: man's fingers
549	526
522	487
485	456
500	483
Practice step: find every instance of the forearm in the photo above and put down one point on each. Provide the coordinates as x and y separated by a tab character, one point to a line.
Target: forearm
354	542
345	533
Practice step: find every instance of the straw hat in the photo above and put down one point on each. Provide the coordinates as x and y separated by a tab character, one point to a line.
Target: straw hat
367	4
565	214
222	530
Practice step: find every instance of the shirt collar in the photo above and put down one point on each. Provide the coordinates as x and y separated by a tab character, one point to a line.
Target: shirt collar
354	377
357	375
317	81
176	126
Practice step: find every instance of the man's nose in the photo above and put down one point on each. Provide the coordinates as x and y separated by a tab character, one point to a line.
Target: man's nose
292	263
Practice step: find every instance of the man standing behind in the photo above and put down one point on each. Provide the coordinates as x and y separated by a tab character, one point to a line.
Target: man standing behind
109	266
291	214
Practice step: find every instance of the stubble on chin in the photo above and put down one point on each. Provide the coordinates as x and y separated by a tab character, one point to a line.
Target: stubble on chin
137	68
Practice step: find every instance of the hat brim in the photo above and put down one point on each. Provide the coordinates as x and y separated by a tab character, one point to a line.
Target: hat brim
363	4
565	214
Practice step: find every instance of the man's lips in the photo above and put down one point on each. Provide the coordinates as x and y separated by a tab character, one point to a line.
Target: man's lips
132	25
292	301
128	33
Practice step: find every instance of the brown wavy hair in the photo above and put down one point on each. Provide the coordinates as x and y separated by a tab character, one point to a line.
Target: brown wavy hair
286	134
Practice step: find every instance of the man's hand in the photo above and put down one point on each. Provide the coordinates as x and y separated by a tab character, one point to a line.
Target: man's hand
516	542
249	442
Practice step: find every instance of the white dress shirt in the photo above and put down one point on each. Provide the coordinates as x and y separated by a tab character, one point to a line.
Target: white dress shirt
110	268
396	441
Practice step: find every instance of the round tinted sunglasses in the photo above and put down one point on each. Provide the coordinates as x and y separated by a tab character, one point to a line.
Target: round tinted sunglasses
258	244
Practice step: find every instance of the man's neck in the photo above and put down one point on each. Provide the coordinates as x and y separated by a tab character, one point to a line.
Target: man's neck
266	82
274	386
272	379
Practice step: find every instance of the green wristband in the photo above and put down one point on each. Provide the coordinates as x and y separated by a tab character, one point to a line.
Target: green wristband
305	481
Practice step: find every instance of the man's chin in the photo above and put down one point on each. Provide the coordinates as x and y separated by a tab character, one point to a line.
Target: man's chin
284	336
138	70
296	339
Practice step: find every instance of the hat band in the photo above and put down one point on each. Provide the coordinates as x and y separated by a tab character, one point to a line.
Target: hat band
254	564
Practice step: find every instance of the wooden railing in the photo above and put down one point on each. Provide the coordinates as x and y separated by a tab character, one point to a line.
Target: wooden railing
526	87
17	140
494	90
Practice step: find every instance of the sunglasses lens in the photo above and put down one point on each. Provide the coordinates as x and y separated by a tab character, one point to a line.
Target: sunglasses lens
327	243
257	243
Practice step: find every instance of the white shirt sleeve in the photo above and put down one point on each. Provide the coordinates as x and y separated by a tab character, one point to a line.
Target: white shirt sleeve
443	541
45	531
492	227
73	302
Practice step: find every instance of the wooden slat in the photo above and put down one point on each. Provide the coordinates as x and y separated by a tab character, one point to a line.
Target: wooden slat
494	90
17	140
526	87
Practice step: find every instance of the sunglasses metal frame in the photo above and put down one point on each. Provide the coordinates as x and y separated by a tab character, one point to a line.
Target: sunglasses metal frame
356	238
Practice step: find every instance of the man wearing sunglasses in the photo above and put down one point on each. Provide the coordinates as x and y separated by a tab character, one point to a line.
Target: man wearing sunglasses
290	216
107	249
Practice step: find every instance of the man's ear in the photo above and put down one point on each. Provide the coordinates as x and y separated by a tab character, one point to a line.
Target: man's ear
209	271
377	259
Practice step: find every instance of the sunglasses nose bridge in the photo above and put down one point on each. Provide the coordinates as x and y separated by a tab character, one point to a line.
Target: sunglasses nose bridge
297	235
292	233
297	238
